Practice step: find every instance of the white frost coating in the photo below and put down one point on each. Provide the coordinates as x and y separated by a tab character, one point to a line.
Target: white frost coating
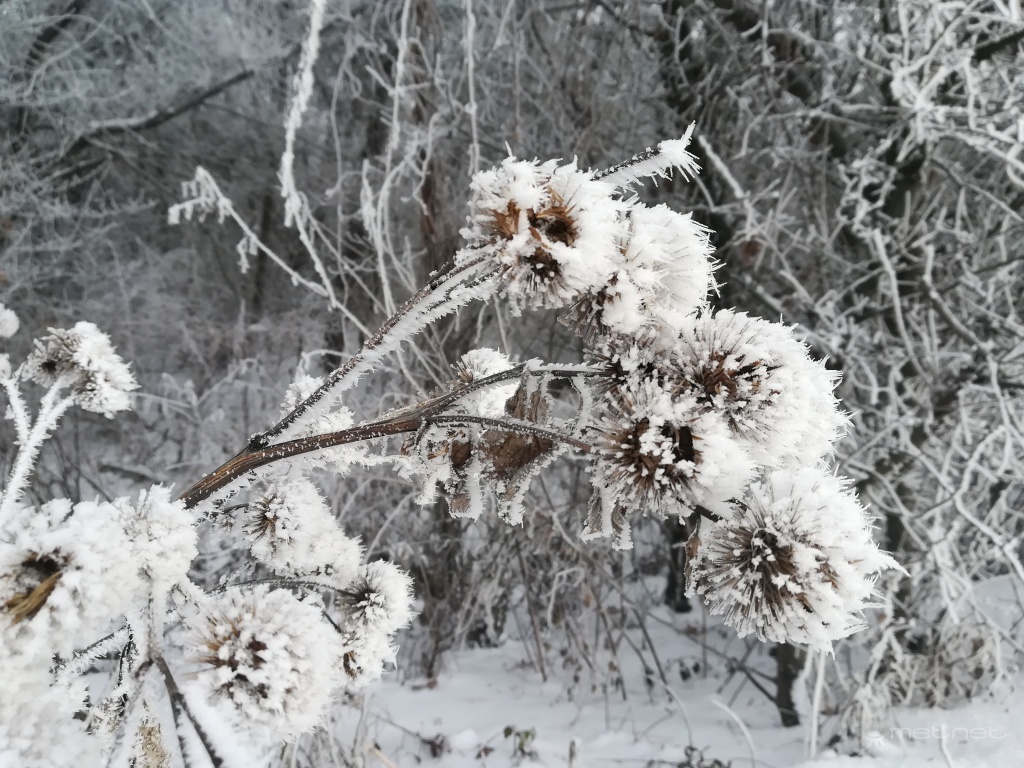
668	258
263	657
38	727
163	539
479	364
655	163
303	83
290	528
379	599
659	450
367	653
82	358
66	574
319	421
9	322
797	563
299	390
555	231
372	609
763	382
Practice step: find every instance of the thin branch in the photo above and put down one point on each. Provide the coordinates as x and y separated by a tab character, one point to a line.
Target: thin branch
157	117
248	460
178	707
989	49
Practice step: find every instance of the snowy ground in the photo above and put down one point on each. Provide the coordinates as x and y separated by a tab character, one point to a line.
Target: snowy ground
490	709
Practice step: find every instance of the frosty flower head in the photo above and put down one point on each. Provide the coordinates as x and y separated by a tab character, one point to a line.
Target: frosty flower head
554	231
66	573
625	367
379	599
660	451
262	654
666	275
797	562
761	380
83	359
290	528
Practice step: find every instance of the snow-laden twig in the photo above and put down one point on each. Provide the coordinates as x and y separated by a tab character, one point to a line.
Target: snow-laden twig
654	163
471	108
295	205
815	713
19	411
743	729
51	408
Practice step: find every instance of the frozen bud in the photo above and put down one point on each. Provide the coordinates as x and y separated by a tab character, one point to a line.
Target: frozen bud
290	528
373	608
298	391
796	563
9	322
553	231
379	599
479	364
265	657
148	749
83	359
762	381
662	453
366	654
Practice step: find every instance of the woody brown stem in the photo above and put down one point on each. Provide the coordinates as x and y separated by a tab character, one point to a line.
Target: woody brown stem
248	460
434	293
403	422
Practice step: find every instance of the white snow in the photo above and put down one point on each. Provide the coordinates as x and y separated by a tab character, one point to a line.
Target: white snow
483	692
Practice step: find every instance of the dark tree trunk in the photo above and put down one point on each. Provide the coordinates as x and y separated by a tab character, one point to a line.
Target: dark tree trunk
790	660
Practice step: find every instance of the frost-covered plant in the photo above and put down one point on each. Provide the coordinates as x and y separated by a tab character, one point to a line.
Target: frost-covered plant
681	411
716	418
83	583
796	563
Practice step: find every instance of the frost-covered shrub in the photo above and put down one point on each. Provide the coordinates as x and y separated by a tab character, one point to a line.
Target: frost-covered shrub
714	418
81	583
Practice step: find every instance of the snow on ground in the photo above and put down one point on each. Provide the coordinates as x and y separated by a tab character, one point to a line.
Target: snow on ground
490	709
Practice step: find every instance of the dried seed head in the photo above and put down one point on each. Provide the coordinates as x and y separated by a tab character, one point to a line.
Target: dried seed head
263	653
83	359
747	567
795	563
763	383
37	579
553	231
379	599
660	452
290	528
67	574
